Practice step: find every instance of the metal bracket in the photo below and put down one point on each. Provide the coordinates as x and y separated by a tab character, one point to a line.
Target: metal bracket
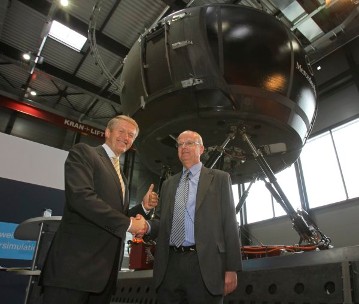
180	44
191	82
179	17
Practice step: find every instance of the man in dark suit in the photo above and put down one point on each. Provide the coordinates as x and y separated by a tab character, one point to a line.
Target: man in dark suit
85	255
203	267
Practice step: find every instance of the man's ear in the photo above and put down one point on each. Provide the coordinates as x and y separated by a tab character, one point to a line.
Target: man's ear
107	133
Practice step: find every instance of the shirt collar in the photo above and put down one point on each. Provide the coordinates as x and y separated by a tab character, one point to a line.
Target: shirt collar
109	152
194	169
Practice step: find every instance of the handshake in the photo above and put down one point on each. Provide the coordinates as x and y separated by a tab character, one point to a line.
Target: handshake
139	226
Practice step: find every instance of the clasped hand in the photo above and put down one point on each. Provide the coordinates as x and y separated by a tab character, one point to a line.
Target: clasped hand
138	226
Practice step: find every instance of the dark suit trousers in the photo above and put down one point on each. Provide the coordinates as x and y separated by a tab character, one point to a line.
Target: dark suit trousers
58	295
183	282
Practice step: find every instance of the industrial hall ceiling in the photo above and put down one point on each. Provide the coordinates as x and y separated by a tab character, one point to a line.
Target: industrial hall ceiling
84	85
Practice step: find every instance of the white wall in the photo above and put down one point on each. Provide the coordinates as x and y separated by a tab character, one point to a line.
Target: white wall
30	162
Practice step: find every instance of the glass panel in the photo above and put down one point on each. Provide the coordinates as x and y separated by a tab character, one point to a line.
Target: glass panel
321	172
67	36
287	180
346	140
258	203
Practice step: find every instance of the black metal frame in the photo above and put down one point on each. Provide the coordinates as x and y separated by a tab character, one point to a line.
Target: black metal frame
308	231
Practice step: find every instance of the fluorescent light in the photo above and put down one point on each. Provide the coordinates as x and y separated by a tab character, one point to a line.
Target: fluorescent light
26	56
67	36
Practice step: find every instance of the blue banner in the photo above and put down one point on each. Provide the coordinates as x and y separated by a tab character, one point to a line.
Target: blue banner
11	248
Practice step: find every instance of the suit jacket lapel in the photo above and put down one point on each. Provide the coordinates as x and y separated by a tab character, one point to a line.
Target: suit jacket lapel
127	194
109	166
204	182
172	190
108	163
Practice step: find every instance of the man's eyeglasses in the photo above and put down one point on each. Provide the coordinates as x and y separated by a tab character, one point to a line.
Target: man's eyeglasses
188	143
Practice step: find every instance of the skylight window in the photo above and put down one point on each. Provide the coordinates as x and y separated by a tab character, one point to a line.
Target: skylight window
67	36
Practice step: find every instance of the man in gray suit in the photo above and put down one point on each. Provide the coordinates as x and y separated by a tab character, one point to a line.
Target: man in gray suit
203	268
85	255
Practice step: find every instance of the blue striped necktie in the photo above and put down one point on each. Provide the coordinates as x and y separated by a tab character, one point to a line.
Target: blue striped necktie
178	225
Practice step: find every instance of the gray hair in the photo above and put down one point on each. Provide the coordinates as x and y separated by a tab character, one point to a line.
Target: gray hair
114	120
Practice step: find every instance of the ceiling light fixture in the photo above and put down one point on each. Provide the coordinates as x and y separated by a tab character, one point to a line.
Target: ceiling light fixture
64	3
29	91
26	56
29	56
